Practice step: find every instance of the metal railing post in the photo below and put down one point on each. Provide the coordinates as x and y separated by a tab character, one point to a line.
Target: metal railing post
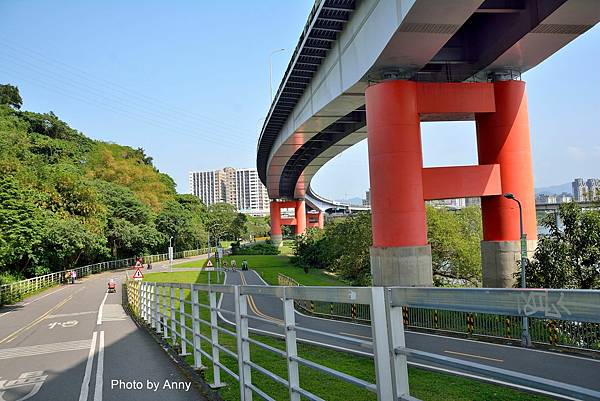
396	338
214	338
381	344
182	332
173	317
157	308
165	318
291	347
243	347
142	300
196	328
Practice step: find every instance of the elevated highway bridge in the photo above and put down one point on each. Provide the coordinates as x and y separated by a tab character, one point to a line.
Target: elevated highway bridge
380	67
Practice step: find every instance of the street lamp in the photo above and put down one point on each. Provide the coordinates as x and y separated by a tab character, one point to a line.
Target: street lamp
526	338
170	255
271	71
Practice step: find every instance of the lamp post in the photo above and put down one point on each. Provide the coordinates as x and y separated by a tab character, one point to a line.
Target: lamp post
526	338
170	255
271	71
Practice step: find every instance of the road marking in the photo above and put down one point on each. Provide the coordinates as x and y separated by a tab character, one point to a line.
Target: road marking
70	314
99	321
254	308
5	313
474	356
43	296
85	385
99	369
356	335
113	312
31	350
34	379
14	334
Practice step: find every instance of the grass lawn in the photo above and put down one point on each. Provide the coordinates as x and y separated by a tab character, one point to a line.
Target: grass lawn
424	385
269	265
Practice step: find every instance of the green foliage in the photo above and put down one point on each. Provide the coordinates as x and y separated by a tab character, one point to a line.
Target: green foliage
224	222
257	227
455	238
569	256
67	200
343	247
258	248
9	95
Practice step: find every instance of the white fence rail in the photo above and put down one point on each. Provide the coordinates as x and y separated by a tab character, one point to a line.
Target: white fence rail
191	317
13	292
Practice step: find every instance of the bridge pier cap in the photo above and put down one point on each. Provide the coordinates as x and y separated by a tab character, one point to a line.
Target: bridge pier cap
401	254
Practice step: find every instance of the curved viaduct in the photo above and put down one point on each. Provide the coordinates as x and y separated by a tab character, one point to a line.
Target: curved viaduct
380	67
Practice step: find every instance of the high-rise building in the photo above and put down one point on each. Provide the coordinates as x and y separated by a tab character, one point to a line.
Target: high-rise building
367	200
586	190
239	187
579	190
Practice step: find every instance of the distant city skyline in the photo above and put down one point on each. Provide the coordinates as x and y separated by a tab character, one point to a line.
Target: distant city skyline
152	85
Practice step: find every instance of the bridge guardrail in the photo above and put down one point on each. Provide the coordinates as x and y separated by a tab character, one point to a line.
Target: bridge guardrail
13	292
549	330
191	318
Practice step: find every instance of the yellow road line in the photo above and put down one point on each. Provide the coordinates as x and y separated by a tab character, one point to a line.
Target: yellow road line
473	356
255	308
355	335
14	334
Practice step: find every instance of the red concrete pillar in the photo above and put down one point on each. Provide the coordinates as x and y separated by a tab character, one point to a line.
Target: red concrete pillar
276	235
503	138
321	221
300	211
400	254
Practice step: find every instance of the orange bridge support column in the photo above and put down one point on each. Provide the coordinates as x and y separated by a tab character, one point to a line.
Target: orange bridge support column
503	139
321	223
276	235
400	254
300	211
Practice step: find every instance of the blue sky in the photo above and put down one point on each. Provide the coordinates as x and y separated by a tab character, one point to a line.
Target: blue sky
189	82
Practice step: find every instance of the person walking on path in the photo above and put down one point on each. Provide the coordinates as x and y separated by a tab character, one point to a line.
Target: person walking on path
73	276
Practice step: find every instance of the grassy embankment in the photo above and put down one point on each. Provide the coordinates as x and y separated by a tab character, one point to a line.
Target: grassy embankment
424	385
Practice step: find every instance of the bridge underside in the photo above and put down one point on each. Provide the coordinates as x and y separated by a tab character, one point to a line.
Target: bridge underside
349	48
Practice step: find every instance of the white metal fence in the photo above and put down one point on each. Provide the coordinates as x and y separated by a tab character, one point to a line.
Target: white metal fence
191	317
13	292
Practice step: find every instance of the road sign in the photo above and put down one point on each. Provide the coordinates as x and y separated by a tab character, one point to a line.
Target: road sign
220	252
138	274
209	269
209	263
171	253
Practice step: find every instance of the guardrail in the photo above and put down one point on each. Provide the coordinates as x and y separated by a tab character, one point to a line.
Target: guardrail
547	331
13	292
177	312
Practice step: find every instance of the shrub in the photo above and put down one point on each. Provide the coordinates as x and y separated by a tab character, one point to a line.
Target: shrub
259	248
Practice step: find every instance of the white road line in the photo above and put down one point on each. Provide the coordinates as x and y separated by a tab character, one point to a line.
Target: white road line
5	313
99	369
70	314
85	385
19	352
473	356
99	321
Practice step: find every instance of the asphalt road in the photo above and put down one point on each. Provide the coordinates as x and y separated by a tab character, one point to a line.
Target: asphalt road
74	342
574	370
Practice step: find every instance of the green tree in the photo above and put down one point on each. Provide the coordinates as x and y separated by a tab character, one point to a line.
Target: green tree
257	226
220	221
10	96
569	256
455	238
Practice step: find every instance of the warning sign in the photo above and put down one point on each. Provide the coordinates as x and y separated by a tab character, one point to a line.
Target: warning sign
209	263
138	274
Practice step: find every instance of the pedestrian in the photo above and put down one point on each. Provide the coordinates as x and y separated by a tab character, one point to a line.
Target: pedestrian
225	264
149	266
73	276
67	276
233	265
244	264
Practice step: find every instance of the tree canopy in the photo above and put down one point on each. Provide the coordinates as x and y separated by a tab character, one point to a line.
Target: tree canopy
67	200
